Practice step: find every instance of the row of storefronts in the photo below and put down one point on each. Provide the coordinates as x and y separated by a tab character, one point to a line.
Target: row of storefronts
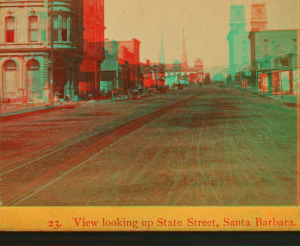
26	78
160	74
274	65
56	50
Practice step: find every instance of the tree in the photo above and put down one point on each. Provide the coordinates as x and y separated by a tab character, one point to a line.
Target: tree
207	79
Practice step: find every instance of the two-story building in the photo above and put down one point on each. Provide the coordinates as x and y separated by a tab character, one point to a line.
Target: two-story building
121	67
41	48
274	60
152	74
273	55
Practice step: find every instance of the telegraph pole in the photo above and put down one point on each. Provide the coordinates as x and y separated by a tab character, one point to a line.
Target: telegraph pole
298	101
51	89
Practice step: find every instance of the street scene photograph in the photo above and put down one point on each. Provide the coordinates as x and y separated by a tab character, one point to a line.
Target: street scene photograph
149	102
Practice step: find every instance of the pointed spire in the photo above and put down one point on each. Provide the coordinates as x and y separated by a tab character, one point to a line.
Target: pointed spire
162	50
184	61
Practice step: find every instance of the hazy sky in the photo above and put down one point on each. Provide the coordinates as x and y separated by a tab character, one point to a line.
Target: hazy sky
206	24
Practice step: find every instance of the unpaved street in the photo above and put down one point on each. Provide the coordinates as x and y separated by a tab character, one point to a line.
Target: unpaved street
196	147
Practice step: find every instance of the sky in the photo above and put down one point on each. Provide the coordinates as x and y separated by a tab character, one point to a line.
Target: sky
206	24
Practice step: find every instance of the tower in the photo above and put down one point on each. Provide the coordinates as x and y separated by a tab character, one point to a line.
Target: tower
237	18
162	50
259	19
184	61
238	39
199	66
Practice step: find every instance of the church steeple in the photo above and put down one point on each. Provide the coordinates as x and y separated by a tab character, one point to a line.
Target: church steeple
184	61
162	50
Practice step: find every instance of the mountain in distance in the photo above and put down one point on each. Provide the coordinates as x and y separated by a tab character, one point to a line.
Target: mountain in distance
215	69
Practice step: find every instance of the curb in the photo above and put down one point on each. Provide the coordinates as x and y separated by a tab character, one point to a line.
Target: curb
262	95
21	115
290	104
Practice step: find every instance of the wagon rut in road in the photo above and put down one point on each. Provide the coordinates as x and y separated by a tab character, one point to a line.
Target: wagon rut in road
51	166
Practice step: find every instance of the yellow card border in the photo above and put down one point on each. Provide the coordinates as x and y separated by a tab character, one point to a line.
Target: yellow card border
157	218
150	218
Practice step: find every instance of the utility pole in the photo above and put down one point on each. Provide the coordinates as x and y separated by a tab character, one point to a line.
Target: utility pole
298	101
281	87
157	74
51	85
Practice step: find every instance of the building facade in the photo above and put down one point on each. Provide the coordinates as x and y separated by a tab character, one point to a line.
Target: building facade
121	66
273	55
180	73
147	74
109	74
274	60
93	46
130	53
153	74
200	70
40	50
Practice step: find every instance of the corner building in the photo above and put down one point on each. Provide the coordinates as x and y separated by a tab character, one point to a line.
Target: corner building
41	48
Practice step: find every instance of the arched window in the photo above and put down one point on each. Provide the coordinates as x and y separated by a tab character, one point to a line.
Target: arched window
10	29
10	65
34	82
33	65
10	79
33	29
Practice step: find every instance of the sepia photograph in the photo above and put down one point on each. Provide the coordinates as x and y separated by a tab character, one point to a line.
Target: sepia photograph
149	103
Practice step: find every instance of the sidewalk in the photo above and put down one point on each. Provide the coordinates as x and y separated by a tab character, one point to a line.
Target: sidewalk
8	109
287	99
16	110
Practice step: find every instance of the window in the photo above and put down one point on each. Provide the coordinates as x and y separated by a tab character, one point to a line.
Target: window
99	7
10	29
34	83
55	28
64	30
10	65
10	80
33	65
33	28
61	28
